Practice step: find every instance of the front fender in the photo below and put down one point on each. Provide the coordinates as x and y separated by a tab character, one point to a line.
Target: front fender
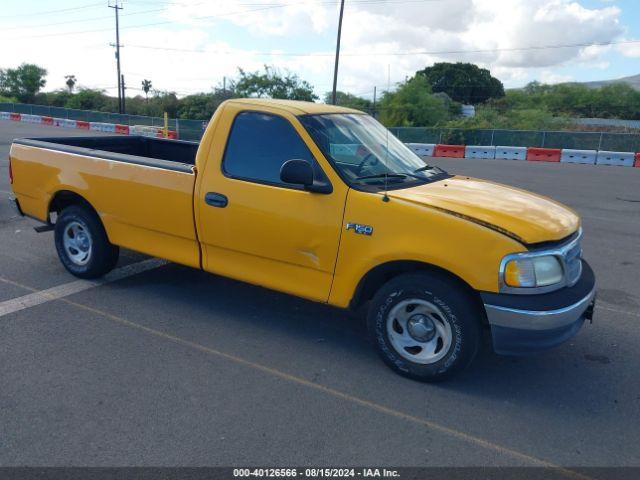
405	231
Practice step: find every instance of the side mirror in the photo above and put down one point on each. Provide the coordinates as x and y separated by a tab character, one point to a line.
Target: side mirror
299	172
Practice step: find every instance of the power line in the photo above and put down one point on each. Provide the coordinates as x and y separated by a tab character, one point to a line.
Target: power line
81	20
383	54
262	7
48	12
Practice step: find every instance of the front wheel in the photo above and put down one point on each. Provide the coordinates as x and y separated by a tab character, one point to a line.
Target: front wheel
425	326
82	243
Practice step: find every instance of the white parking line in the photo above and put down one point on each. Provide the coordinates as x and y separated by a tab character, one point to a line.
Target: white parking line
38	298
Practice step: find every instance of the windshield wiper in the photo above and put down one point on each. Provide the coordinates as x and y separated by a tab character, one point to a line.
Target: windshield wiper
382	175
393	175
428	167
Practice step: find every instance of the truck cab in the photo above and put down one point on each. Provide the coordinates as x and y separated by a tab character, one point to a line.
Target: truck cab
322	202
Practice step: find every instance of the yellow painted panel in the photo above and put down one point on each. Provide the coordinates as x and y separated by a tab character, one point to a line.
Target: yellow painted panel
404	230
146	209
281	238
533	218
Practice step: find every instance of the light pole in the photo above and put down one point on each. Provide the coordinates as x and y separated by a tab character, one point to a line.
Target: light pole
335	68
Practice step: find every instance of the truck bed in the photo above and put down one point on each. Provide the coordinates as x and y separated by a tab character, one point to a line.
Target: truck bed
142	188
177	155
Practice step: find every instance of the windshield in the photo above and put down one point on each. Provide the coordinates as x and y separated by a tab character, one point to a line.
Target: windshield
365	153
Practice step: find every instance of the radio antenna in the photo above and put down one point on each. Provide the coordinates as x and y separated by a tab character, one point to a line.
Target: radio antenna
385	197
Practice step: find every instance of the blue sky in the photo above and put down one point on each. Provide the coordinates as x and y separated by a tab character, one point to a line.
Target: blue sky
190	45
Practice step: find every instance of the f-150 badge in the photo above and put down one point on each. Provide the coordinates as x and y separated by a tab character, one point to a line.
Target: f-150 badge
360	229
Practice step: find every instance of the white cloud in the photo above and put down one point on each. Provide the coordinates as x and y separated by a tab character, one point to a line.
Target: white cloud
548	76
261	17
491	32
631	50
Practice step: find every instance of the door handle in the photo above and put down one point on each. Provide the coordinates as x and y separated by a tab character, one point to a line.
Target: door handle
216	199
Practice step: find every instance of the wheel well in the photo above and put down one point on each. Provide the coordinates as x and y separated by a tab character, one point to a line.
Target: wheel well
66	198
381	274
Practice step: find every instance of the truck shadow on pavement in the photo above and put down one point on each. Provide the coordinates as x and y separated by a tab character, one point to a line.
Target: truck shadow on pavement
327	345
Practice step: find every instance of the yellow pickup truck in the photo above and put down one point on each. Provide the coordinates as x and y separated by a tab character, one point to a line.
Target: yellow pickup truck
324	203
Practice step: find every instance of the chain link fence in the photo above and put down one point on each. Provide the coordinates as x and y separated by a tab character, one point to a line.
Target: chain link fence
622	142
193	130
187	129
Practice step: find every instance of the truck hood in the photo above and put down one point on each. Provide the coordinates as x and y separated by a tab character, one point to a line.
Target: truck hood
524	216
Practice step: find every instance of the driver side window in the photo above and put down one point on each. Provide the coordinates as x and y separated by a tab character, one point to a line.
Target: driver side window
259	143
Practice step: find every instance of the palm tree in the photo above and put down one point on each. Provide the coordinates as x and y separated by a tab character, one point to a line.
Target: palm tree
71	82
146	87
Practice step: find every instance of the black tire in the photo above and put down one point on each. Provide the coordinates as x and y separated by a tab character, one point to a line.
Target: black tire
101	256
455	307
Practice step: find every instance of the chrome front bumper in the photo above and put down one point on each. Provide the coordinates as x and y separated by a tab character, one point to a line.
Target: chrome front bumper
522	324
538	320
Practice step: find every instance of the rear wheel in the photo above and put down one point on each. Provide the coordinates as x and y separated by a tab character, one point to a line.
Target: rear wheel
425	326
82	243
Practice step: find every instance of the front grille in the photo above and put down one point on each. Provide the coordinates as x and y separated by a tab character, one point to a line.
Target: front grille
573	263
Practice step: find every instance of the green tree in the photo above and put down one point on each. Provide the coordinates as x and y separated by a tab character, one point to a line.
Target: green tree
23	82
201	106
146	88
90	99
463	82
164	102
350	101
412	105
274	84
70	80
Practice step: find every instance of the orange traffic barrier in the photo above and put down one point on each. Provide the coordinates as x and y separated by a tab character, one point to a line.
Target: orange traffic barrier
124	129
170	134
47	120
637	162
15	117
452	151
82	124
535	154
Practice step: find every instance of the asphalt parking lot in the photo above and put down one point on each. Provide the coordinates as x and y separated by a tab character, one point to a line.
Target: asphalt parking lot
175	367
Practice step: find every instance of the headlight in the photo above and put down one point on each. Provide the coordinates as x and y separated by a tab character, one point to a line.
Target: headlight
540	271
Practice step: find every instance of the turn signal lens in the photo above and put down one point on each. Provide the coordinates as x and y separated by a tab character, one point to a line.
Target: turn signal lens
520	273
533	272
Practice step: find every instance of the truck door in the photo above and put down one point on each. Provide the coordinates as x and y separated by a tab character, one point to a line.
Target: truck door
255	228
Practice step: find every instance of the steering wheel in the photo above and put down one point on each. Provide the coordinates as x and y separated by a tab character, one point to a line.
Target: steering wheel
361	166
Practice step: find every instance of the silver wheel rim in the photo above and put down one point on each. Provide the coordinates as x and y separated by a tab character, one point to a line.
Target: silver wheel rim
77	243
419	331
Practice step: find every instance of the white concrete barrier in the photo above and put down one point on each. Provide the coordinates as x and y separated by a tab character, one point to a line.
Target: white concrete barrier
145	130
422	149
31	118
511	153
109	127
620	159
5	115
578	156
95	126
475	151
68	123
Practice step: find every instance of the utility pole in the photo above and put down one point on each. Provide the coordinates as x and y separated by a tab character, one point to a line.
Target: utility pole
117	45
335	68
124	109
374	102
